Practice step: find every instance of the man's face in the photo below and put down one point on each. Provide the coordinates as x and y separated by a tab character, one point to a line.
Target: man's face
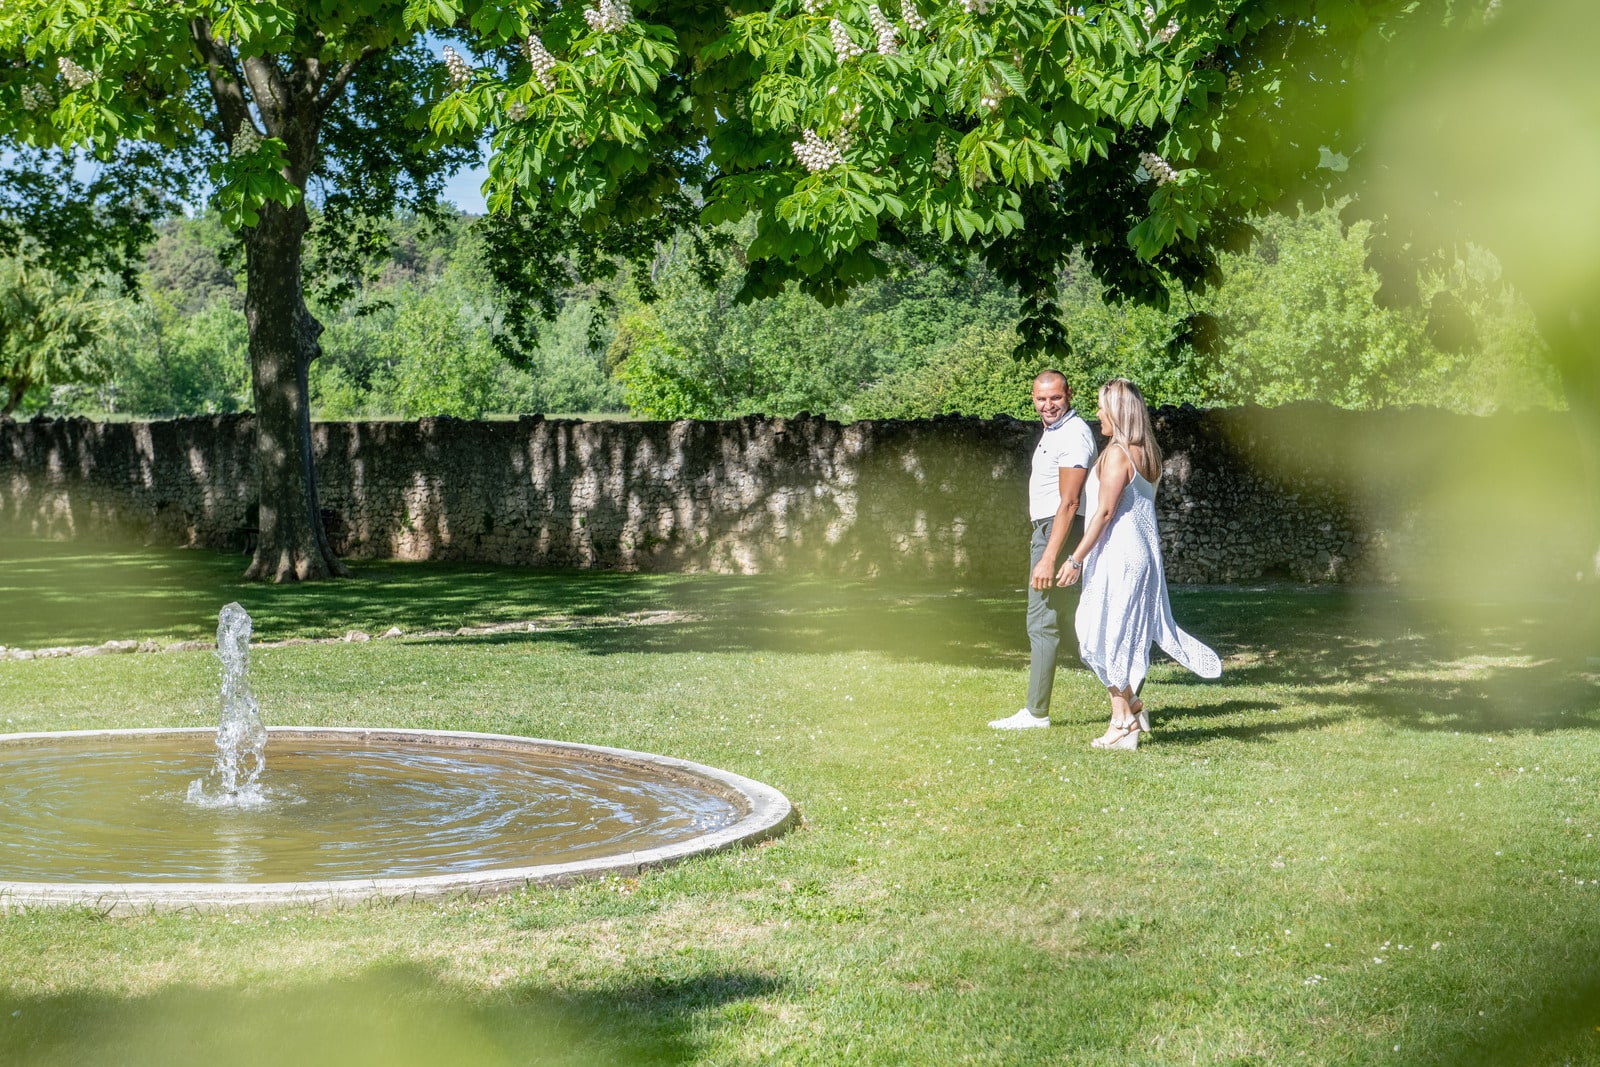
1050	398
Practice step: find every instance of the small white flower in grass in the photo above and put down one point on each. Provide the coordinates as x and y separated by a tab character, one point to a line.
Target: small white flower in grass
460	70
540	59
246	141
1157	168
76	76
843	46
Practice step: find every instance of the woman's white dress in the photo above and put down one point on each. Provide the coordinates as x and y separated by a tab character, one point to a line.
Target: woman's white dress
1124	608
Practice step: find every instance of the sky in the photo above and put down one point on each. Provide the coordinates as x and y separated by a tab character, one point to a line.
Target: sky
462	189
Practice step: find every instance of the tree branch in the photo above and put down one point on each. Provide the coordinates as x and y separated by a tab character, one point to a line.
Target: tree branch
335	85
222	73
271	92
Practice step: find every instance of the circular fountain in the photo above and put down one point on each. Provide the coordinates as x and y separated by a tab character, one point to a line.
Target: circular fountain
131	820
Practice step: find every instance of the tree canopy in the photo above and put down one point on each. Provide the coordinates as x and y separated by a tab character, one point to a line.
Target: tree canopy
1138	138
1141	137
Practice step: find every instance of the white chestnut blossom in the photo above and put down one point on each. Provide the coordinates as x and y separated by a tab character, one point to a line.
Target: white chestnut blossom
944	163
1165	33
1235	82
76	76
888	39
540	59
460	70
843	46
608	16
516	111
980	7
246	142
37	98
913	18
1492	11
812	7
1157	168
815	154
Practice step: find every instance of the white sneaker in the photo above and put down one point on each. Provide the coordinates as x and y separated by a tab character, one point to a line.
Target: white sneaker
1022	720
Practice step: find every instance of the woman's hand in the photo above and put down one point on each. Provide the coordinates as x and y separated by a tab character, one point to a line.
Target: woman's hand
1070	572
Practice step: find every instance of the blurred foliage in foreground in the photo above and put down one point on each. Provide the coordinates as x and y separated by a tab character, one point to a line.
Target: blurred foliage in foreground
1296	320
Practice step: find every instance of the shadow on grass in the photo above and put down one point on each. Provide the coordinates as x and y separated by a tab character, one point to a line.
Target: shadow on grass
1426	664
393	1017
1558	1027
1423	665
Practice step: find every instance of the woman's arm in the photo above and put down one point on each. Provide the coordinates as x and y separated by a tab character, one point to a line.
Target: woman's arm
1115	474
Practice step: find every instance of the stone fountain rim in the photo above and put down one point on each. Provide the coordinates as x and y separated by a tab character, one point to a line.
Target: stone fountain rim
768	813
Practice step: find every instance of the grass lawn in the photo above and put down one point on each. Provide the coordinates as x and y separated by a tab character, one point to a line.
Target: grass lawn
1371	843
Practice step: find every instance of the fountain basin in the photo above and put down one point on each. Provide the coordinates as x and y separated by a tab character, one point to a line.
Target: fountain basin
98	818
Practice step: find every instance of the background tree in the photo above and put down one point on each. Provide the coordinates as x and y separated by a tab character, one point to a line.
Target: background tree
277	100
52	332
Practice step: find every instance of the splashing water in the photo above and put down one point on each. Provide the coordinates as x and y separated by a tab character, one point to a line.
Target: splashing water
241	735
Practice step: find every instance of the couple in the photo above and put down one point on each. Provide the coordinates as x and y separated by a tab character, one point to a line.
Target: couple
1123	608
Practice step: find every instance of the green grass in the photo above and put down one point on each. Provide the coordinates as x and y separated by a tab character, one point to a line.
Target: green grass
1376	778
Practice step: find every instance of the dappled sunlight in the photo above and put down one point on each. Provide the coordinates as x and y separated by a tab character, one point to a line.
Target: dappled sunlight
1490	662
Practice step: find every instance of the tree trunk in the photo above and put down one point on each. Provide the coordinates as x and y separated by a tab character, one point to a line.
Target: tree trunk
14	391
291	544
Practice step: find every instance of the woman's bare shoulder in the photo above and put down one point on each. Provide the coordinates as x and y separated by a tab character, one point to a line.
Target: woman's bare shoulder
1114	459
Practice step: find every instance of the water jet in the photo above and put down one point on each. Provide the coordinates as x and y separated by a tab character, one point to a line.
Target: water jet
131	820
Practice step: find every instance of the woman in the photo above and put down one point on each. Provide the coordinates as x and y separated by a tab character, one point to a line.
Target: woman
1124	607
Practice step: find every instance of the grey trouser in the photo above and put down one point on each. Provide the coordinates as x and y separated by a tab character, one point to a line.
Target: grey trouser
1045	611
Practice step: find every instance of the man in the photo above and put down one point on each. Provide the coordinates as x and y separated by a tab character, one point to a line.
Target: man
1061	462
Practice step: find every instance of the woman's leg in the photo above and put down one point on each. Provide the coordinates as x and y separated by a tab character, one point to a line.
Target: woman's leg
1123	718
1122	715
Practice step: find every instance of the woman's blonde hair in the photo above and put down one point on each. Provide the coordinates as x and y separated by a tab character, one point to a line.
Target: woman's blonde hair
1130	424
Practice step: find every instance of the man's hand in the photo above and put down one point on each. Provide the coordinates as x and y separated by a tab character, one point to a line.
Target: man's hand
1043	574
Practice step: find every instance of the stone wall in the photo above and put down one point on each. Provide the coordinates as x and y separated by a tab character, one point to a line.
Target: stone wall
1304	493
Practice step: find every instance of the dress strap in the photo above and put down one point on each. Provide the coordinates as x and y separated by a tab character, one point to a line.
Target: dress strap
1131	463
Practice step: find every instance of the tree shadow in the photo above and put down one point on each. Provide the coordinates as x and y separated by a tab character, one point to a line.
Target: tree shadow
1423	662
967	628
1558	1026
1419	663
397	1016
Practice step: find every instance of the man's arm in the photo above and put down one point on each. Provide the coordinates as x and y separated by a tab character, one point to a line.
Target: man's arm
1070	480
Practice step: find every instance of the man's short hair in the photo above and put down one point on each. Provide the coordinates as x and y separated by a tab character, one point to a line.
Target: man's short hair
1049	372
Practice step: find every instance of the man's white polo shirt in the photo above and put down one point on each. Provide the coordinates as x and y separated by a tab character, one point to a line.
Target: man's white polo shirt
1068	442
